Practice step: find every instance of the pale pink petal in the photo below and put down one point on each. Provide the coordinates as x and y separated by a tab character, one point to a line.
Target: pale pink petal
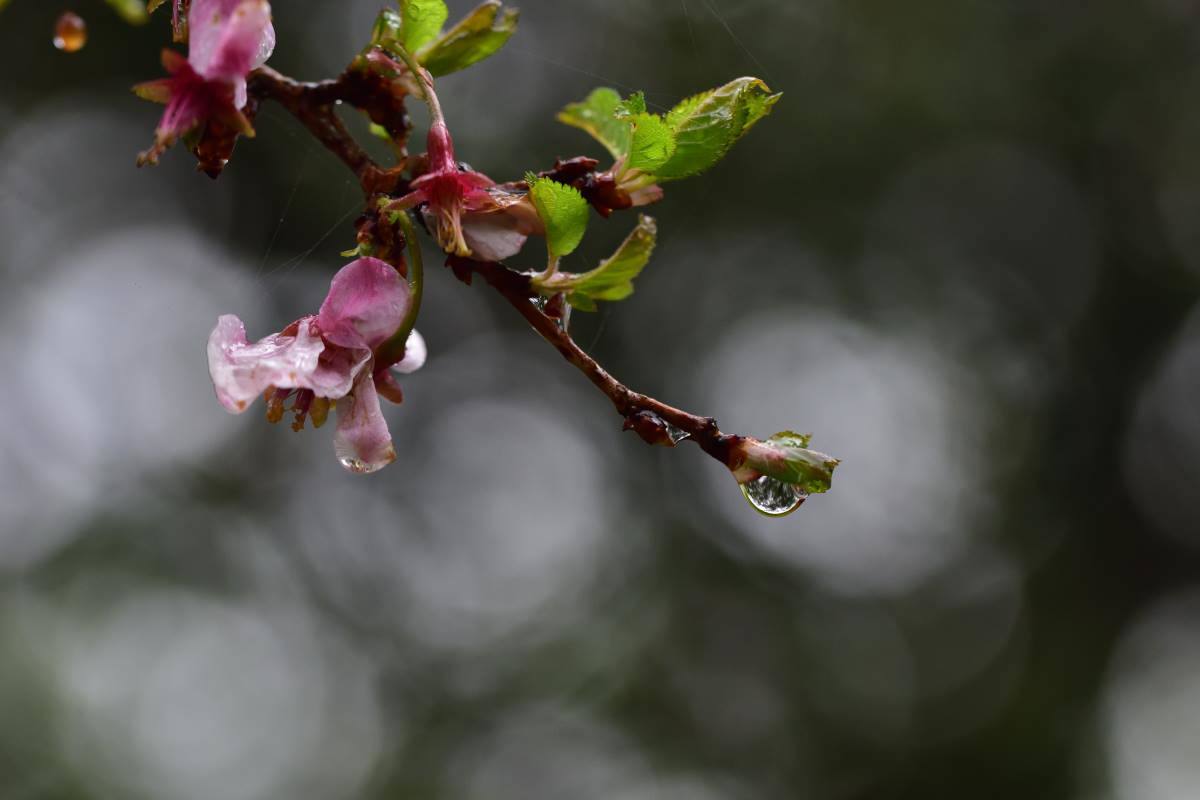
647	195
244	39
362	442
492	237
242	371
366	303
415	354
206	26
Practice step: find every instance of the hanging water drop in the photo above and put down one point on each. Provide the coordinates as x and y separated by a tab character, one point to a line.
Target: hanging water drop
70	32
773	498
677	434
355	465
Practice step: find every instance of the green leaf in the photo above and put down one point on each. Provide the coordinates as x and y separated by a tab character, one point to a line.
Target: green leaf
151	5
632	106
562	210
134	11
786	457
791	439
707	125
652	145
597	116
613	279
422	22
475	37
388	29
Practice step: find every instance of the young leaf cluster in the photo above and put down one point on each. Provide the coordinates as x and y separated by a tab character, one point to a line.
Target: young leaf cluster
564	212
419	29
687	140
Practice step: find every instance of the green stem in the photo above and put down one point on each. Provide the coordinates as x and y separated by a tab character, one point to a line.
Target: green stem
424	81
392	351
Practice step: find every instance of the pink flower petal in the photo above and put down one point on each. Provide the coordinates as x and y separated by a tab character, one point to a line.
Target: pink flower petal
188	105
493	237
242	371
362	442
228	39
415	354
366	303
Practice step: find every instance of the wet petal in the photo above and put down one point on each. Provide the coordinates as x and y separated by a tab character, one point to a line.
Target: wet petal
492	237
367	301
229	38
362	442
415	354
242	371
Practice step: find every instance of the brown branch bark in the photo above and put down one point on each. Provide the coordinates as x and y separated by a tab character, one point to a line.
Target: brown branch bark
640	411
313	105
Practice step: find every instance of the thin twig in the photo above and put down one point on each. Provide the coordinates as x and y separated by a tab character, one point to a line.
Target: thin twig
515	288
313	105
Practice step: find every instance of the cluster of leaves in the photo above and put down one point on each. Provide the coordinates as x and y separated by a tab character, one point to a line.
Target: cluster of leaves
687	140
418	28
648	149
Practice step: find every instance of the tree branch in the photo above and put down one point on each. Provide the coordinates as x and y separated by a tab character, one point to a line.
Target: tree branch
313	105
643	414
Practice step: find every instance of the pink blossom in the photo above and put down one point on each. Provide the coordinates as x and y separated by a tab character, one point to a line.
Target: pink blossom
449	192
324	361
468	214
227	39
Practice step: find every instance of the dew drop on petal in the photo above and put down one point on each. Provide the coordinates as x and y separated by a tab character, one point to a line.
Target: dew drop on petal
358	466
70	32
772	497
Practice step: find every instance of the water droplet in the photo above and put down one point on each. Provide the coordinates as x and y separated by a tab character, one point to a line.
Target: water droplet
70	32
677	434
358	466
773	498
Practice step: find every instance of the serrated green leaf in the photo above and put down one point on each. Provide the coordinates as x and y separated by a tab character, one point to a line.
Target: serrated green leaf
472	39
631	106
422	22
652	145
597	115
133	11
613	279
562	210
707	125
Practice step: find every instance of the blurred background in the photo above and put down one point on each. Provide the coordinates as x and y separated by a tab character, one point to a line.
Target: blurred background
964	253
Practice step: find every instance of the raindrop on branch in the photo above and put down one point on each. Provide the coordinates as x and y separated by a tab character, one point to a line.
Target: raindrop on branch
70	32
677	434
773	498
